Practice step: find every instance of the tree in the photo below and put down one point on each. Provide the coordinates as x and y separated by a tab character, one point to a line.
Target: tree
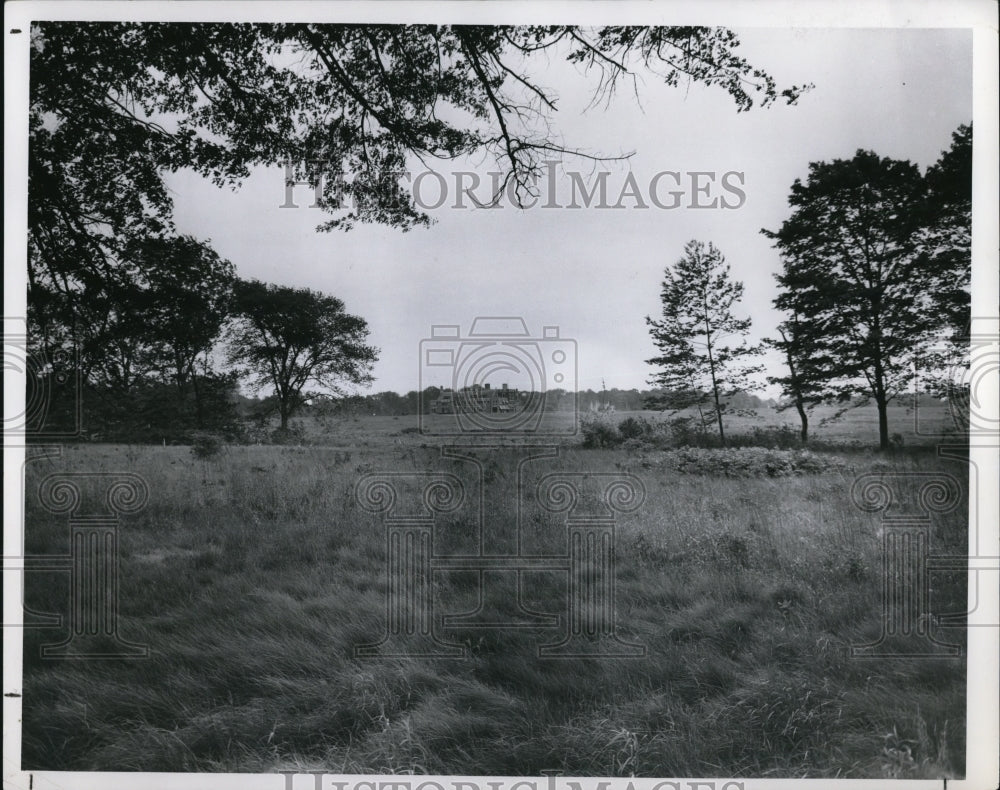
149	321
948	236
704	351
802	384
948	243
287	338
117	350
116	105
190	292
856	273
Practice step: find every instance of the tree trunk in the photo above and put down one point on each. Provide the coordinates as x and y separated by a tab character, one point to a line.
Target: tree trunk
878	380
283	410
796	386
198	412
702	425
715	383
718	416
804	435
878	374
883	423
715	396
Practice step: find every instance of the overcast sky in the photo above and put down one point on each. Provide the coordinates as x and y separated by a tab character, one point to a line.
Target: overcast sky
596	273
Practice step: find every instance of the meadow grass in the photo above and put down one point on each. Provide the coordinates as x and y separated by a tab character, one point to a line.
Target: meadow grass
253	574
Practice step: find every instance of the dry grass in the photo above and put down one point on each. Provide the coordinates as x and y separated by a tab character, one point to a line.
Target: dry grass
252	575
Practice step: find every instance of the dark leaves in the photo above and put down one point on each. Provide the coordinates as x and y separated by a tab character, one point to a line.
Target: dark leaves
115	105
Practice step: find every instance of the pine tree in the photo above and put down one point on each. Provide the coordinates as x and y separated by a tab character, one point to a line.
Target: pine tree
704	353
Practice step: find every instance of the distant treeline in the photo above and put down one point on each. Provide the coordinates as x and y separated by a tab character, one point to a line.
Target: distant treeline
393	404
396	405
155	411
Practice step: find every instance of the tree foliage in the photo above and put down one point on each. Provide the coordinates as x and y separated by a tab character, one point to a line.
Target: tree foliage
155	322
288	338
943	370
190	289
805	357
948	236
116	105
860	276
704	353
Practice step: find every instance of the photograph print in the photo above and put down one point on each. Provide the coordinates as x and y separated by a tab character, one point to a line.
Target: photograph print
444	390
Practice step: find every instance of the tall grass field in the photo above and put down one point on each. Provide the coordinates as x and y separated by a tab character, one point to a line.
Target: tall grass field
253	574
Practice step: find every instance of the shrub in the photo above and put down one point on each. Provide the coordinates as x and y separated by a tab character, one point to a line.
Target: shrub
777	437
805	462
254	432
684	433
599	434
598	429
632	428
746	462
632	433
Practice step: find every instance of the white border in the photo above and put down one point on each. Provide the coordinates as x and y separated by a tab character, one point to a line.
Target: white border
983	727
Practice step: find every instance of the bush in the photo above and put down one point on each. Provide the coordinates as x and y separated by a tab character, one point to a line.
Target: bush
746	462
777	437
632	428
153	411
599	434
632	433
684	433
254	431
598	428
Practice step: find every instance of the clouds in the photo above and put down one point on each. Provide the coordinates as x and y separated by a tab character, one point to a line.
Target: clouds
596	272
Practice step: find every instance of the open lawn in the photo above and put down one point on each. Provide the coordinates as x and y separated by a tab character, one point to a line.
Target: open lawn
254	575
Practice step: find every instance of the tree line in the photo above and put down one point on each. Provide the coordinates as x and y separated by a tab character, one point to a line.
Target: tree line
874	289
164	354
154	327
394	404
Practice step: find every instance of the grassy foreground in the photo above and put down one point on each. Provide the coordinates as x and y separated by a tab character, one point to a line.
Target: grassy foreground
254	574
